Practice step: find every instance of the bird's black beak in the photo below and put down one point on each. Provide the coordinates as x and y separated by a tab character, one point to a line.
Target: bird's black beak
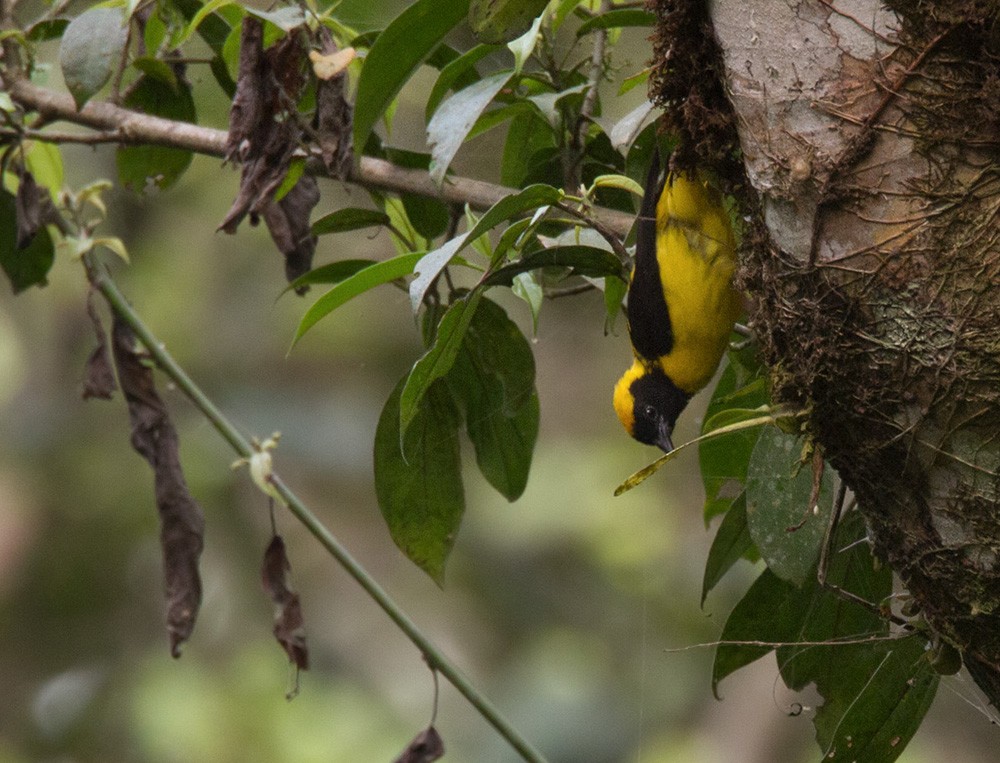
663	441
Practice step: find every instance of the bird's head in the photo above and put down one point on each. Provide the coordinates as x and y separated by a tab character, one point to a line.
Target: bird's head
648	403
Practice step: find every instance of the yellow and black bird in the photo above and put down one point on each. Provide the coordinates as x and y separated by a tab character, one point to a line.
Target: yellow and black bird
681	303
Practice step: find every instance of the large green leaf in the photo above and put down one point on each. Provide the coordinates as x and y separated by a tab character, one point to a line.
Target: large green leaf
732	542
161	164
332	272
493	376
397	52
438	360
454	72
771	612
784	526
363	280
92	47
455	117
421	495
348	219
24	267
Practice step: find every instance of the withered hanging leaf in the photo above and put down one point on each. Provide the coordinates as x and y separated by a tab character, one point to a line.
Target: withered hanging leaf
288	223
289	625
263	131
100	379
333	120
182	524
426	747
30	212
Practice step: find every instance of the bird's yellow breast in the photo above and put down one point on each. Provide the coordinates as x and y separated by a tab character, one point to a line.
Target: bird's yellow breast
696	253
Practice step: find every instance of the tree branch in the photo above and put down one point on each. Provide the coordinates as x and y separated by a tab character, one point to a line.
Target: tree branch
135	127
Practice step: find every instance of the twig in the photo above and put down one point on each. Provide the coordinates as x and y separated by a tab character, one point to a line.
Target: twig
103	282
593	82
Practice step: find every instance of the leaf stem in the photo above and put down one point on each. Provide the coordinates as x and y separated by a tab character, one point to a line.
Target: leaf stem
104	283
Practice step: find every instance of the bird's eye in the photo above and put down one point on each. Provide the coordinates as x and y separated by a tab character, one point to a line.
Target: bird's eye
649	412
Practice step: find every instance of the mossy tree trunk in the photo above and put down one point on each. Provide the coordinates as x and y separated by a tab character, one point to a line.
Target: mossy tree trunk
869	140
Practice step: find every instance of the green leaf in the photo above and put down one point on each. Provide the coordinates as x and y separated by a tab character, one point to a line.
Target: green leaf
210	7
24	267
397	52
452	73
44	161
428	216
157	69
455	118
527	134
621	182
493	376
429	267
333	272
615	289
522	47
732	542
348	219
497	21
724	459
508	207
91	48
47	29
787	530
296	168
163	165
359	283
882	714
583	260
620	18
772	611
438	360
526	287
286	19
421	496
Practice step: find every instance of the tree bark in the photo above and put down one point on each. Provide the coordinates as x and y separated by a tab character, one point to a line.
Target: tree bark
869	135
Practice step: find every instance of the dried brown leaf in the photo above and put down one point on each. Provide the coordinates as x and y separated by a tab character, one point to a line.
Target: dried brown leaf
182	524
289	625
288	223
426	747
29	208
333	120
263	131
100	378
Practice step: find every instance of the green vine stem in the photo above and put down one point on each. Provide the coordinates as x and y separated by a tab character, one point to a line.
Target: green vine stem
103	282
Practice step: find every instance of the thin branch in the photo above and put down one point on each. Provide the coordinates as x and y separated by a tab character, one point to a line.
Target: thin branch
103	282
136	127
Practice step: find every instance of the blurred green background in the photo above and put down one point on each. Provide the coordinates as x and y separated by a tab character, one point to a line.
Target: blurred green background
576	612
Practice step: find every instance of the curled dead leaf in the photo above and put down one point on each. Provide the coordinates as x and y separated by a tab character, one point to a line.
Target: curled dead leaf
99	380
288	223
182	524
289	625
426	747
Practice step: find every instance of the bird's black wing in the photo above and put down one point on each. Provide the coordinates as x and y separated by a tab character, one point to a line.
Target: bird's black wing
648	316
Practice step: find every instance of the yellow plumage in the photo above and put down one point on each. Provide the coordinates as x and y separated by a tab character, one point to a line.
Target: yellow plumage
681	307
